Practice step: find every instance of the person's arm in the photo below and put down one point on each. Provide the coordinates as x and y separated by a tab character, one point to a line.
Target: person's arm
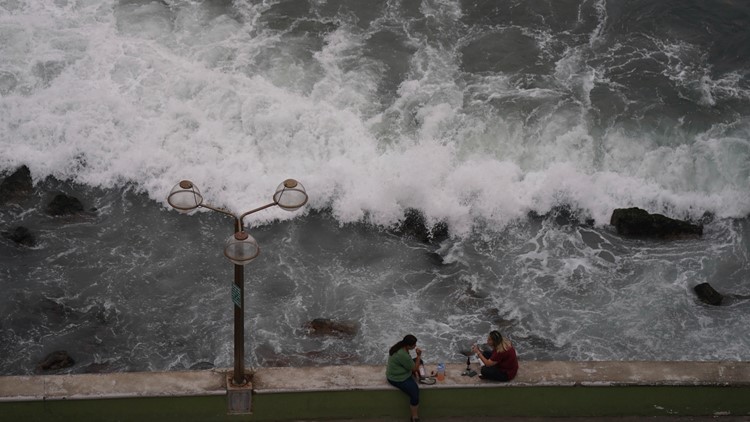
418	360
405	361
485	361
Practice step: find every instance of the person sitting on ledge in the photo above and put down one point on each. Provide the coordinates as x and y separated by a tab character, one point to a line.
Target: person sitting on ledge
401	370
501	363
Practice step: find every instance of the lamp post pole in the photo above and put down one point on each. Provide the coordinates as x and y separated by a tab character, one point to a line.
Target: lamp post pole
240	249
239	326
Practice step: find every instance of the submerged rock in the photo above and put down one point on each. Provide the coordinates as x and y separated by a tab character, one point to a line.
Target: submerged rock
56	360
63	204
21	235
17	186
329	327
707	294
635	222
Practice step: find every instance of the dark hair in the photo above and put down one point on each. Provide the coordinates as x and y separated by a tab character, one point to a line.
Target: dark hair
409	340
496	337
500	343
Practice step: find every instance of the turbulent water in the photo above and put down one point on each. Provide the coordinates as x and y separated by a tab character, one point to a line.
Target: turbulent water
521	125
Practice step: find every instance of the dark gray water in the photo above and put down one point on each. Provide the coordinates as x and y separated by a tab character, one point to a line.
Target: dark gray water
148	289
489	116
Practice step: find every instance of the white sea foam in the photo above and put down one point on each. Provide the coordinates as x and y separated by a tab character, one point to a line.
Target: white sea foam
148	94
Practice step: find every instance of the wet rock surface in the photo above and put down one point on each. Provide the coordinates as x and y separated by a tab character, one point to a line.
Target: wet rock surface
329	327
21	236
635	222
17	186
56	360
63	204
707	294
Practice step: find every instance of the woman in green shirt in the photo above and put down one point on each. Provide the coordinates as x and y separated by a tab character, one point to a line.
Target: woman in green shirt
401	368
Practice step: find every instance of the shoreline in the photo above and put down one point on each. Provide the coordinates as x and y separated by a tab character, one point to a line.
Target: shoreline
541	389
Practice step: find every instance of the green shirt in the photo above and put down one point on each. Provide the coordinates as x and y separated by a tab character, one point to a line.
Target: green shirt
399	366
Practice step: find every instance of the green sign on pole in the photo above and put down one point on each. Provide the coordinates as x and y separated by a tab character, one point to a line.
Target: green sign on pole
236	296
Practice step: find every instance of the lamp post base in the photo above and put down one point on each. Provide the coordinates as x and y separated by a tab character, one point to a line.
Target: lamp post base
239	397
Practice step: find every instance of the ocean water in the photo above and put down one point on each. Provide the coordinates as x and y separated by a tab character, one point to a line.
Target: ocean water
521	125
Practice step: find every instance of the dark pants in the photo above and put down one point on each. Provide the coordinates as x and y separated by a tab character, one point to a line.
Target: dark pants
493	372
410	387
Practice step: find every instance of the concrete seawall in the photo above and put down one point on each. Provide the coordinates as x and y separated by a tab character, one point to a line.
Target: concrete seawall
542	388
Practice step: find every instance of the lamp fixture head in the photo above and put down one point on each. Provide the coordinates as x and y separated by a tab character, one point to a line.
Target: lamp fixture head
290	195
185	197
241	248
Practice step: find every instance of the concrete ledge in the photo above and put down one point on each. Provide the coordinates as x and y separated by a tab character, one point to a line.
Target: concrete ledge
534	373
116	385
367	378
542	389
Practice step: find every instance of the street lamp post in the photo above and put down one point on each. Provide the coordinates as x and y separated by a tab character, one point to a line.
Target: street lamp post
240	249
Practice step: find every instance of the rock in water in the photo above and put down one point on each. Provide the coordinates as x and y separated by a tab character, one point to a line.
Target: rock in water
707	294
21	235
16	186
64	205
636	222
56	360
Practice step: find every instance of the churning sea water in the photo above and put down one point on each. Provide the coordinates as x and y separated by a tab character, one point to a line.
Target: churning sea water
520	124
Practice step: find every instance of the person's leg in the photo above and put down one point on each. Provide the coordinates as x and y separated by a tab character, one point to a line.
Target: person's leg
492	373
414	413
410	387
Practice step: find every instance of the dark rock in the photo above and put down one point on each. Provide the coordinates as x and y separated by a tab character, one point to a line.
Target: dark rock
635	222
54	312
329	327
707	294
56	360
414	225
17	186
21	235
64	205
